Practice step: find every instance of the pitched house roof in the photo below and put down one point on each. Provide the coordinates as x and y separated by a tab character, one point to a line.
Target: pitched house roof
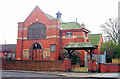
8	47
70	25
94	38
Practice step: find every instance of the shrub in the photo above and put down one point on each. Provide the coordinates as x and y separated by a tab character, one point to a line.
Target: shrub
75	59
75	56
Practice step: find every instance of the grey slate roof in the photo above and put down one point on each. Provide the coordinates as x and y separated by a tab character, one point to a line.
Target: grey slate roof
7	47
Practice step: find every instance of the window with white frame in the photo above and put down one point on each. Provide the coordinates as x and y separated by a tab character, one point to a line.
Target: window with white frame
69	34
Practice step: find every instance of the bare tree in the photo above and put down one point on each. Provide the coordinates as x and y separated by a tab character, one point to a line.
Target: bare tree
110	28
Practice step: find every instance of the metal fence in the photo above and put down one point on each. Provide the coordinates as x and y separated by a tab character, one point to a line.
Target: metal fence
99	58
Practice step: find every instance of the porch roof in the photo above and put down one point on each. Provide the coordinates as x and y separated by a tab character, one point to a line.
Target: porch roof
80	46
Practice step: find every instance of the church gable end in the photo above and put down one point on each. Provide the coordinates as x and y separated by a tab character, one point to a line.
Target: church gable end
37	16
38	25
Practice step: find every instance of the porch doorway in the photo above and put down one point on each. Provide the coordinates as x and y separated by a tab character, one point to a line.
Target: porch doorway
36	52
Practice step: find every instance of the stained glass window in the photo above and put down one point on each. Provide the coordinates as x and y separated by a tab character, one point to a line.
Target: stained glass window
46	53
37	31
52	48
25	53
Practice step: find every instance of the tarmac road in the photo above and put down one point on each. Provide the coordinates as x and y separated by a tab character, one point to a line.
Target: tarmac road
30	75
25	74
17	74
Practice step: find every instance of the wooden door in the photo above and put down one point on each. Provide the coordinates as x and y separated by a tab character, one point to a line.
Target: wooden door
34	55
37	54
40	54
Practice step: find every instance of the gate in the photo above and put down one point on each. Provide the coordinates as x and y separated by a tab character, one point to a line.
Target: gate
99	58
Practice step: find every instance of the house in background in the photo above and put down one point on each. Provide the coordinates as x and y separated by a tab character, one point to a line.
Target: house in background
96	40
7	51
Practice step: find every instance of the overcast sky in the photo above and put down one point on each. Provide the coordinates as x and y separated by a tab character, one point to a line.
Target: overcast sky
92	13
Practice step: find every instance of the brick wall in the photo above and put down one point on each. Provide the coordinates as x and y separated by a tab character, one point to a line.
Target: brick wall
92	66
97	51
36	65
109	67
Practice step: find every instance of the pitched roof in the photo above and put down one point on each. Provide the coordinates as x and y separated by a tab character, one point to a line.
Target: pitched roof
8	47
70	25
50	17
79	45
94	38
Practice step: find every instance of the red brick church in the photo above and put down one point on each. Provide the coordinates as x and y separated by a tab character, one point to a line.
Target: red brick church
42	37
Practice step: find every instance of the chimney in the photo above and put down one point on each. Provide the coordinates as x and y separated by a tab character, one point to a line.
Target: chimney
76	20
83	24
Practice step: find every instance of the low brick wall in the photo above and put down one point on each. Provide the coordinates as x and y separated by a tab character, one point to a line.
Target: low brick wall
109	67
92	66
35	65
66	66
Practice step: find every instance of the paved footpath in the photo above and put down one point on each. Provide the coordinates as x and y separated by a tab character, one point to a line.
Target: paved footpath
72	74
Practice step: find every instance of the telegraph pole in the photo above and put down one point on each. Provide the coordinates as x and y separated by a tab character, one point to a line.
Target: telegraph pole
119	22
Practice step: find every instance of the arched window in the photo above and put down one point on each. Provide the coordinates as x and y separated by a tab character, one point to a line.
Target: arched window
37	31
